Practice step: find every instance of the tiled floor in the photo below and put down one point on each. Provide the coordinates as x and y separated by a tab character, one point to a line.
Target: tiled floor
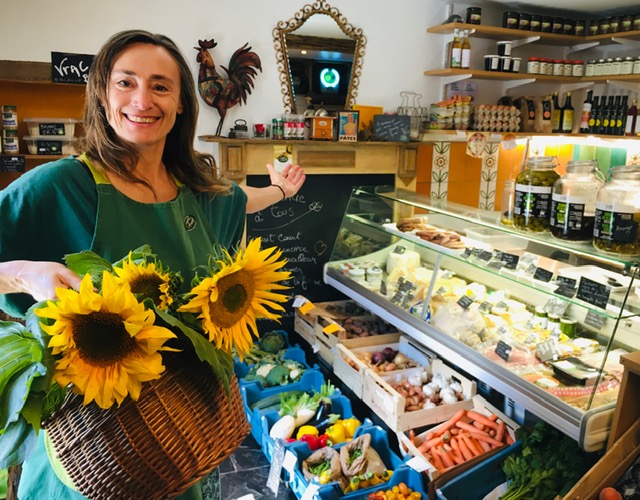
245	473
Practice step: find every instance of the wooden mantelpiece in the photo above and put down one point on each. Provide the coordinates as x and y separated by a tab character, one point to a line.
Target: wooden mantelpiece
242	157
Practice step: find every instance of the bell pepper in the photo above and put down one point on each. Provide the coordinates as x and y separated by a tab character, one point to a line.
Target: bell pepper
324	477
336	433
290	440
324	440
306	429
312	441
350	426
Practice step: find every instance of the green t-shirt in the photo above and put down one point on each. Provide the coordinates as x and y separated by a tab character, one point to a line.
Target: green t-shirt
50	211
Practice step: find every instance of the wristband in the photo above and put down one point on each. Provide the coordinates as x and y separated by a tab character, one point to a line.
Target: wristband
284	195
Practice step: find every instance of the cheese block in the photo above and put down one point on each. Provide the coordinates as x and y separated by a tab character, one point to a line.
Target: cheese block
407	260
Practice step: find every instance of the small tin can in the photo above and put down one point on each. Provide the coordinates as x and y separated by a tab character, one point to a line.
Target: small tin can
510	20
9	117
10	141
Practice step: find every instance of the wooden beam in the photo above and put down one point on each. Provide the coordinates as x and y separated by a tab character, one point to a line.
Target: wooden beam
27	71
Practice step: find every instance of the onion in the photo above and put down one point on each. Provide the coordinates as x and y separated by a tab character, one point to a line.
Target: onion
377	358
389	353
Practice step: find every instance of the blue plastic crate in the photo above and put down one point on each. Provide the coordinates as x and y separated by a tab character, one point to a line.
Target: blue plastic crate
339	404
480	480
253	392
380	443
241	369
413	479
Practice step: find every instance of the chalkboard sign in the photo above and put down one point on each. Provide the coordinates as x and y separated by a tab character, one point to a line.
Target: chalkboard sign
305	228
593	292
11	163
391	128
70	68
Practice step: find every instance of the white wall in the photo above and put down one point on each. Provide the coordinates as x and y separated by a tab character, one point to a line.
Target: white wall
398	46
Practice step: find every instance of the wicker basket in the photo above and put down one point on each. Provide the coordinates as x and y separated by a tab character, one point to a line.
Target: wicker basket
181	428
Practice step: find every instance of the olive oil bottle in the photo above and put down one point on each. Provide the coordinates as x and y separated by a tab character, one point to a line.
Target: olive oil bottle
567	115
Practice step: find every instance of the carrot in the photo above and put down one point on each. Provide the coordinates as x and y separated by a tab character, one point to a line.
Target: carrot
474	415
412	437
485	446
451	422
487	439
466	427
479	425
429	435
436	460
447	460
500	432
457	454
493	417
508	438
466	452
455	431
427	445
475	450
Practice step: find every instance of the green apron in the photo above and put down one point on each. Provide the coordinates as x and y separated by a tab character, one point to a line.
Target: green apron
179	235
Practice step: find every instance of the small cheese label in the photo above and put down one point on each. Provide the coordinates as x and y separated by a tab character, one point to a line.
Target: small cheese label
306	307
331	328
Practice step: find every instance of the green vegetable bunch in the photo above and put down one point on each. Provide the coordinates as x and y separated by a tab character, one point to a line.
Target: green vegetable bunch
275	371
549	464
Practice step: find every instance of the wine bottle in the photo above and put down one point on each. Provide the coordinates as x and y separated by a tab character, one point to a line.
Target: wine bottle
613	117
455	56
567	115
465	58
621	115
632	118
586	113
556	117
594	117
606	115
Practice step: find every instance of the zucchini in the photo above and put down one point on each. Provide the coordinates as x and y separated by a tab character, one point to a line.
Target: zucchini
274	400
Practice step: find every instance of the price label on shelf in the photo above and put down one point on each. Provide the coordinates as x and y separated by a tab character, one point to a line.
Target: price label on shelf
503	350
595	320
277	459
593	293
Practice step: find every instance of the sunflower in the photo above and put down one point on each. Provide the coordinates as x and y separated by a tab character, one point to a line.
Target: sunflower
148	280
107	343
242	290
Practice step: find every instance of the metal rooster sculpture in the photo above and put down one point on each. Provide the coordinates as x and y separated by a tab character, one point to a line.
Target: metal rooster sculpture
223	93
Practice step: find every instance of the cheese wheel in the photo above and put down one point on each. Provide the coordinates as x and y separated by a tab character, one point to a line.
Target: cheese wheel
408	260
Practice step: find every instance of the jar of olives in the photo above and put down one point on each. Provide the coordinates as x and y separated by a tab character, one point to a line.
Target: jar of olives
618	213
573	201
533	194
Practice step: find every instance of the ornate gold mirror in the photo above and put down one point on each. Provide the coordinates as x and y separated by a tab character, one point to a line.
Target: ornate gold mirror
319	45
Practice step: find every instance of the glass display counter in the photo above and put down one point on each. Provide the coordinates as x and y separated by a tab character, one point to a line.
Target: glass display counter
540	320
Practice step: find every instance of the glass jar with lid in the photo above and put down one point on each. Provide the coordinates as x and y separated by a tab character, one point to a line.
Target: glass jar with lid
590	70
534	185
627	66
636	66
608	66
618	213
573	201
616	66
599	67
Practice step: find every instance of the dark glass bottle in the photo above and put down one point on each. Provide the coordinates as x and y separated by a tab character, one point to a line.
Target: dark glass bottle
613	116
632	119
594	117
586	113
606	115
567	115
621	115
556	117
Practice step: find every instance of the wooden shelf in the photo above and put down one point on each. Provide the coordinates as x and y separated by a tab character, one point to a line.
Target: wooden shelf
226	140
36	157
499	33
501	75
435	134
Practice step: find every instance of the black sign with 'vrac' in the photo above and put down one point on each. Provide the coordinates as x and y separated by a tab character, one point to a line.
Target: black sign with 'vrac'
70	68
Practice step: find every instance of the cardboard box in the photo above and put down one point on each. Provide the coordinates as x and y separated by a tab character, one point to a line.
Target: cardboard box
348	367
480	405
389	404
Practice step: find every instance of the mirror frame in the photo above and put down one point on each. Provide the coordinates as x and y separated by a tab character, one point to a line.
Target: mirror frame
282	57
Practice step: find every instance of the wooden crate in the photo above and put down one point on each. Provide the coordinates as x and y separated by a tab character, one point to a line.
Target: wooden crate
346	354
329	332
308	314
479	405
389	405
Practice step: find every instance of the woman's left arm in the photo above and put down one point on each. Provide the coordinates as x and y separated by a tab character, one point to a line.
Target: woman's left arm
283	185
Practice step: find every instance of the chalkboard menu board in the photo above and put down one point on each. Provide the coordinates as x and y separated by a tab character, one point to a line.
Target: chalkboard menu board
305	228
70	68
391	128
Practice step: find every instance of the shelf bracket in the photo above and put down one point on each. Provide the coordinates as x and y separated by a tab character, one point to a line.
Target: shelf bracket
524	41
446	80
582	46
633	86
570	87
517	83
626	41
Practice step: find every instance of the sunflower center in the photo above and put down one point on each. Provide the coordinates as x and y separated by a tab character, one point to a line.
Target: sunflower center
235	293
101	338
149	287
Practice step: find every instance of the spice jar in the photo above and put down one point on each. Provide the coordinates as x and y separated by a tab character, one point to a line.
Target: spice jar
608	66
573	201
626	68
599	67
533	194
546	26
614	24
524	22
568	68
594	27
558	67
510	20
578	68
636	66
590	70
533	65
618	213
474	15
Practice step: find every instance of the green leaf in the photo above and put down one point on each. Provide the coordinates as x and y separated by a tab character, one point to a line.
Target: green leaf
221	362
140	254
88	262
16	443
17	390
